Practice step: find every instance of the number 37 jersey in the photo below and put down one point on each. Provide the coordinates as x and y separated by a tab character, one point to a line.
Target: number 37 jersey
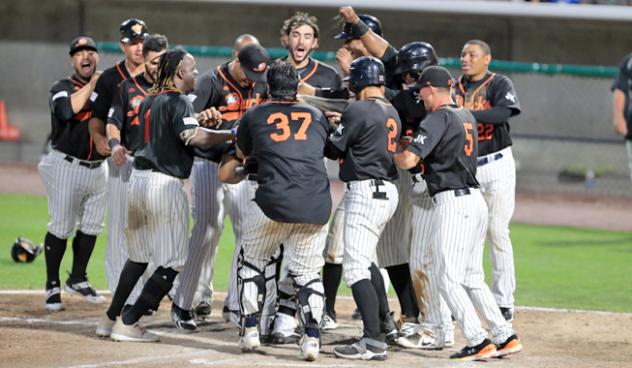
287	139
366	140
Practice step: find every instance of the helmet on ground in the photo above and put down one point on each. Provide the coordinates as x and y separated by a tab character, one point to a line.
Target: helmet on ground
365	71
24	251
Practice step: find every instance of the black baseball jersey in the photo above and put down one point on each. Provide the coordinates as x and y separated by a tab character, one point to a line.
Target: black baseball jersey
287	139
107	87
492	90
366	140
70	133
319	75
218	89
411	110
124	111
623	82
162	118
389	59
447	142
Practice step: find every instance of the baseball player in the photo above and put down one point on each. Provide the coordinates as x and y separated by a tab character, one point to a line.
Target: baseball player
365	140
621	112
132	33
74	176
125	138
493	100
157	227
228	91
299	34
292	204
447	144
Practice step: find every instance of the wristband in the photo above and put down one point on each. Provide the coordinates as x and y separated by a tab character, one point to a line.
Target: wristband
113	143
233	131
360	28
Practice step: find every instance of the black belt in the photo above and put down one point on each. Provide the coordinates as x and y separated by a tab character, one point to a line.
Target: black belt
457	192
376	183
253	177
88	164
487	159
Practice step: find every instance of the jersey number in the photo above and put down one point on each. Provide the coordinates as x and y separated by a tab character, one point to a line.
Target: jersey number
469	138
147	117
281	123
391	125
485	131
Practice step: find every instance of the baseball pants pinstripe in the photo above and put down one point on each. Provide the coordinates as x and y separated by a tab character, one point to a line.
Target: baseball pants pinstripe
435	313
158	220
459	225
394	246
365	219
498	185
76	195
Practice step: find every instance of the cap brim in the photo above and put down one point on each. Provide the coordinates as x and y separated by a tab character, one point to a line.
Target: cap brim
255	77
84	47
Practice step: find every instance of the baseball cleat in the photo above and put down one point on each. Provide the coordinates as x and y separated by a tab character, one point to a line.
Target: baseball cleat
328	323
84	290
389	328
510	346
284	330
407	326
310	348
182	318
104	327
53	300
203	310
365	349
482	351
250	340
507	313
420	340
132	333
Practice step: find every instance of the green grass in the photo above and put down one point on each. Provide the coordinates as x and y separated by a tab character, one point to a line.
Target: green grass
556	267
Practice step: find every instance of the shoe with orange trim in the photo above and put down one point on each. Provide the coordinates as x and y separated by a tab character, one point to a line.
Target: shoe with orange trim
511	346
482	351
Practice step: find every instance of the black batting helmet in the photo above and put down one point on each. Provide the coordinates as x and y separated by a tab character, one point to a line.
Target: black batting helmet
365	71
133	29
348	32
24	251
414	57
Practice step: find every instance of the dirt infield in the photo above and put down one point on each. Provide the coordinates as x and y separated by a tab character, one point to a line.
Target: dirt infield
31	337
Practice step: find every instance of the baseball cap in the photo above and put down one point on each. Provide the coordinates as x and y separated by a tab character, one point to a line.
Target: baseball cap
254	61
81	43
435	76
133	29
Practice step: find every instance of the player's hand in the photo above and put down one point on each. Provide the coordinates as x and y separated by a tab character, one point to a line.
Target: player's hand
119	155
404	141
95	77
344	59
333	118
102	146
209	118
348	14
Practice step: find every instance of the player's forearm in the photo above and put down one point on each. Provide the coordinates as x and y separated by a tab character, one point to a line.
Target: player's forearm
112	132
78	99
375	44
228	170
494	115
405	160
618	106
96	127
205	138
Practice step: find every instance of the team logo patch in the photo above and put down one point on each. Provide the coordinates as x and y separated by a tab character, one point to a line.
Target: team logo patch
421	139
190	121
509	96
339	130
260	68
137	28
82	41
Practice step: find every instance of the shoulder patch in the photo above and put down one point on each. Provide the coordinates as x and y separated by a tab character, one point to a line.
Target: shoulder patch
60	94
190	121
93	96
421	139
192	97
110	112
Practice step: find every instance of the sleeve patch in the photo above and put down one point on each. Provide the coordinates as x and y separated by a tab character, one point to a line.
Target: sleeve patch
60	95
111	112
190	121
94	96
192	97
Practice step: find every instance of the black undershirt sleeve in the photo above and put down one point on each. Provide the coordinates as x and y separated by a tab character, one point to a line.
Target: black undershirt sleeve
494	115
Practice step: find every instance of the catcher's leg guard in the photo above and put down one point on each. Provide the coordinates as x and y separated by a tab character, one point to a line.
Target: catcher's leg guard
251	286
311	301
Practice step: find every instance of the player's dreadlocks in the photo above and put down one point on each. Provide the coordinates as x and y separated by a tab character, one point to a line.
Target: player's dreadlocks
169	63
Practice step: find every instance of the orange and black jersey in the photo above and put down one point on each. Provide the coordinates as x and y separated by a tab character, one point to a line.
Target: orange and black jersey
163	117
492	91
447	143
366	140
287	139
70	133
319	75
218	89
124	111
107	87
623	82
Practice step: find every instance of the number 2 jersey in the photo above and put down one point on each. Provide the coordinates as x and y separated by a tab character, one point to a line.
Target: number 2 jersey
366	140
447	143
491	91
287	139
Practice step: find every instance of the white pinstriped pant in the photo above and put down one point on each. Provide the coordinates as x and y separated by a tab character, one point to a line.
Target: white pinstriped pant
459	225
498	185
365	219
423	271
158	220
303	251
212	200
76	195
394	246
